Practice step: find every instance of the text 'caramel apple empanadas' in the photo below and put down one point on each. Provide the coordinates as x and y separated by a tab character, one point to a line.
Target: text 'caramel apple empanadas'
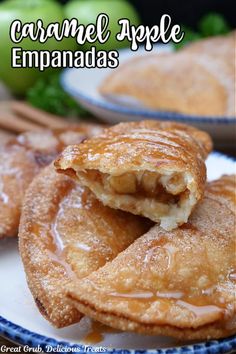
179	283
198	79
65	234
150	168
22	158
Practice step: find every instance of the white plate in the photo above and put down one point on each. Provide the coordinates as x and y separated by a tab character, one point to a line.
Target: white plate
83	85
17	306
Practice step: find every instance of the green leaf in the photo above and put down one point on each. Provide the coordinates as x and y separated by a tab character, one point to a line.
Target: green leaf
213	24
48	95
189	36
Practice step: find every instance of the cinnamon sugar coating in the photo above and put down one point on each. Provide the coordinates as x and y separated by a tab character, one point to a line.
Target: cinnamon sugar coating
22	158
198	79
65	234
179	283
150	168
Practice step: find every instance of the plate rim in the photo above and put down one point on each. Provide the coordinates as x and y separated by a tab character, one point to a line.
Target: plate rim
125	110
223	155
23	336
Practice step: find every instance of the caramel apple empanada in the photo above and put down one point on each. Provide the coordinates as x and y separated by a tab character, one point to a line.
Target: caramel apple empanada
198	79
179	283
222	47
65	234
150	168
22	158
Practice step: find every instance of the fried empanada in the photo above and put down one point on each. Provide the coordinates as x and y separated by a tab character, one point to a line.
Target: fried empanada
66	233
22	158
222	47
179	283
150	168
198	79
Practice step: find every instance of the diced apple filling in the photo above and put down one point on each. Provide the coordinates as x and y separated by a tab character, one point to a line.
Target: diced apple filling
165	189
124	184
163	198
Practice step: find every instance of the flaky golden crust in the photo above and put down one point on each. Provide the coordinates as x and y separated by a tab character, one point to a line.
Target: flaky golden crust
198	79
65	234
206	332
220	47
163	148
17	169
22	158
179	283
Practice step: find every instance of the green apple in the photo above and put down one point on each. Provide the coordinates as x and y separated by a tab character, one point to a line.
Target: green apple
20	79
86	12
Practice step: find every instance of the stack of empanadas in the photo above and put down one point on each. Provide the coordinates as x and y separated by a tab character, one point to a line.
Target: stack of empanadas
71	234
198	79
129	233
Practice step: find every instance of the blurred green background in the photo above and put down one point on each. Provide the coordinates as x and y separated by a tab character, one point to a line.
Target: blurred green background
43	90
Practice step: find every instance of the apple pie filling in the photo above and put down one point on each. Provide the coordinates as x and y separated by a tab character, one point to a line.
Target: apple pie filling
142	185
162	198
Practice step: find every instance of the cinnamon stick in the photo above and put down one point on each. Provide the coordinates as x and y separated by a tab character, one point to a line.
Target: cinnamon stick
38	116
16	124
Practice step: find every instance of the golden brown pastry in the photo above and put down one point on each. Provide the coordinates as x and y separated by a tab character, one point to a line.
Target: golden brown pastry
222	47
65	234
198	79
179	283
22	158
150	168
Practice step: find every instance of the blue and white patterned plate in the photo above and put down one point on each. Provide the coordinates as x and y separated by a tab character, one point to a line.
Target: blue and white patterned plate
21	322
83	85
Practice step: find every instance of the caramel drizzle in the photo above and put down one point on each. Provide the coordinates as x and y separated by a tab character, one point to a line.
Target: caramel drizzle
3	196
200	311
170	252
232	276
148	296
58	253
97	333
